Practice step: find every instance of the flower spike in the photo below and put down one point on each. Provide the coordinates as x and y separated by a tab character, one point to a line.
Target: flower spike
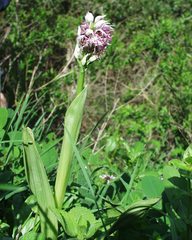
93	37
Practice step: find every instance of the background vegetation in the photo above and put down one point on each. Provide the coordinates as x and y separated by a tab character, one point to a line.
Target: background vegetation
138	115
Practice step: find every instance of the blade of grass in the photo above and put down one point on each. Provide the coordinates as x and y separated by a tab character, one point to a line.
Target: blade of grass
20	113
84	169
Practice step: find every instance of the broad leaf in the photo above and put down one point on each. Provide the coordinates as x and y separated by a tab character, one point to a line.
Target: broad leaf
152	186
33	236
72	124
188	152
39	184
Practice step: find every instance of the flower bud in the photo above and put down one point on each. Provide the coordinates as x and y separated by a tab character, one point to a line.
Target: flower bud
89	17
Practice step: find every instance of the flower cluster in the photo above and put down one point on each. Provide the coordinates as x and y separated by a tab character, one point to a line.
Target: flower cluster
107	177
94	35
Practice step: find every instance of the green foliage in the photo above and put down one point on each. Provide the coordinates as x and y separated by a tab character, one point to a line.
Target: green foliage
3	117
79	223
39	185
152	186
186	163
142	153
33	236
72	124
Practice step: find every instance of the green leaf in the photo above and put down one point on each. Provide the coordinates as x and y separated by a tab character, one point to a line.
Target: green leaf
78	222
3	117
85	220
33	236
181	165
188	160
29	225
49	156
133	215
152	186
69	225
93	228
77	212
2	133
111	144
169	172
83	226
39	184
72	124
136	150
188	152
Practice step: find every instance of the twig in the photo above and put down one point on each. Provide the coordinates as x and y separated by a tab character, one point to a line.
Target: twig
104	125
61	74
33	74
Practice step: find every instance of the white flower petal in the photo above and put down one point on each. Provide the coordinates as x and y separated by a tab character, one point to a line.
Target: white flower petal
100	23
89	32
92	58
77	52
98	18
89	17
79	31
84	59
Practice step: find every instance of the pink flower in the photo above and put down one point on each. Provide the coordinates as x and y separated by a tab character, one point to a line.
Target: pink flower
94	35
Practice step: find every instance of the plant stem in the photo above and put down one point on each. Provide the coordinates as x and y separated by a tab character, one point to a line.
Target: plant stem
133	176
81	79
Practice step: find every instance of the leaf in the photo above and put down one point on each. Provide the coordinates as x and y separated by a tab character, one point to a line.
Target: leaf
33	236
133	215
188	160
28	225
3	117
15	135
87	215
2	133
136	150
49	156
181	165
152	186
188	152
93	228
111	144
69	224
78	222
82	226
72	124
169	172
39	184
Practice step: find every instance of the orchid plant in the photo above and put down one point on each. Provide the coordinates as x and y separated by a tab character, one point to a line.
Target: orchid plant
93	37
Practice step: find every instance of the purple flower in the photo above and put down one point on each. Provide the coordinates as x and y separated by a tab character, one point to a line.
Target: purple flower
94	35
107	177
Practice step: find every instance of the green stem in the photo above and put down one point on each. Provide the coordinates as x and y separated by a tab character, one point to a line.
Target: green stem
81	79
133	176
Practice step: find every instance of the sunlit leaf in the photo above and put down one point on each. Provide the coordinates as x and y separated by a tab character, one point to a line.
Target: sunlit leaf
3	117
152	186
72	125
39	184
